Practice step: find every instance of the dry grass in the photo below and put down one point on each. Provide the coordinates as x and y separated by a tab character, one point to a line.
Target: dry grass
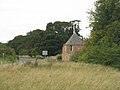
59	76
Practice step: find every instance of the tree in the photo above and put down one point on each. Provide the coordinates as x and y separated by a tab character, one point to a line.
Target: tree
26	45
57	34
106	14
9	53
103	46
17	43
51	39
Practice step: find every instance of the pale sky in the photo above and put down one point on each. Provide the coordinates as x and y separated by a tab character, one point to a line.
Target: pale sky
17	17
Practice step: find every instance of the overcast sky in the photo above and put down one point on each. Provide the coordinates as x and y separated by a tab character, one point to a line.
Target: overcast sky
17	17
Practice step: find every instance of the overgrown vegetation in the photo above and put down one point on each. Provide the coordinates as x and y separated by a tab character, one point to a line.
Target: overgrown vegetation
59	76
109	56
7	54
103	46
51	39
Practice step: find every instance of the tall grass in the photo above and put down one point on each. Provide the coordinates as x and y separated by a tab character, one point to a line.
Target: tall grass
59	76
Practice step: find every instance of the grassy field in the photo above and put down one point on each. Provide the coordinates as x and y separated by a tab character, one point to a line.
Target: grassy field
59	76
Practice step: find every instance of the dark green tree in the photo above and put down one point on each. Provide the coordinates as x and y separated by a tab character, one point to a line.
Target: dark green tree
57	34
17	43
7	54
105	22
103	46
51	39
27	45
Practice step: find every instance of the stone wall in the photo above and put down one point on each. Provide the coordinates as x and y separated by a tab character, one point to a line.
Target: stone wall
67	52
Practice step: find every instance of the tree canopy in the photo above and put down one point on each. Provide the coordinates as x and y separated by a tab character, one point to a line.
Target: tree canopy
103	46
105	22
51	39
7	53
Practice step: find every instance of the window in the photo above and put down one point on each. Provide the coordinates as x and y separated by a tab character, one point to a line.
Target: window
71	48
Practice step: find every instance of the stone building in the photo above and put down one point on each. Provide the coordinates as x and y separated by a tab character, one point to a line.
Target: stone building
74	44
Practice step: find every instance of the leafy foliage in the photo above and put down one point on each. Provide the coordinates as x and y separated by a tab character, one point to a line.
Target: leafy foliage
59	57
103	46
51	39
7	54
109	56
105	22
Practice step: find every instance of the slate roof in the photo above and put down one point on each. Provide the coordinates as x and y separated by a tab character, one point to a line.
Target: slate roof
74	40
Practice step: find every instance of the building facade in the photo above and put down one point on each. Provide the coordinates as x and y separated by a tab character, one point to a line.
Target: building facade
73	45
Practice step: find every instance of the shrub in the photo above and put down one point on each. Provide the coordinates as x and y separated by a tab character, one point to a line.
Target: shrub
7	54
105	56
59	57
75	56
109	56
79	56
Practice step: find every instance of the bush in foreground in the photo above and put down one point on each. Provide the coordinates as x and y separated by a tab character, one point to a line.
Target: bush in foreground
109	56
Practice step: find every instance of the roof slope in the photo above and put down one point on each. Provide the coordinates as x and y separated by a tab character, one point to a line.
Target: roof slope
74	40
